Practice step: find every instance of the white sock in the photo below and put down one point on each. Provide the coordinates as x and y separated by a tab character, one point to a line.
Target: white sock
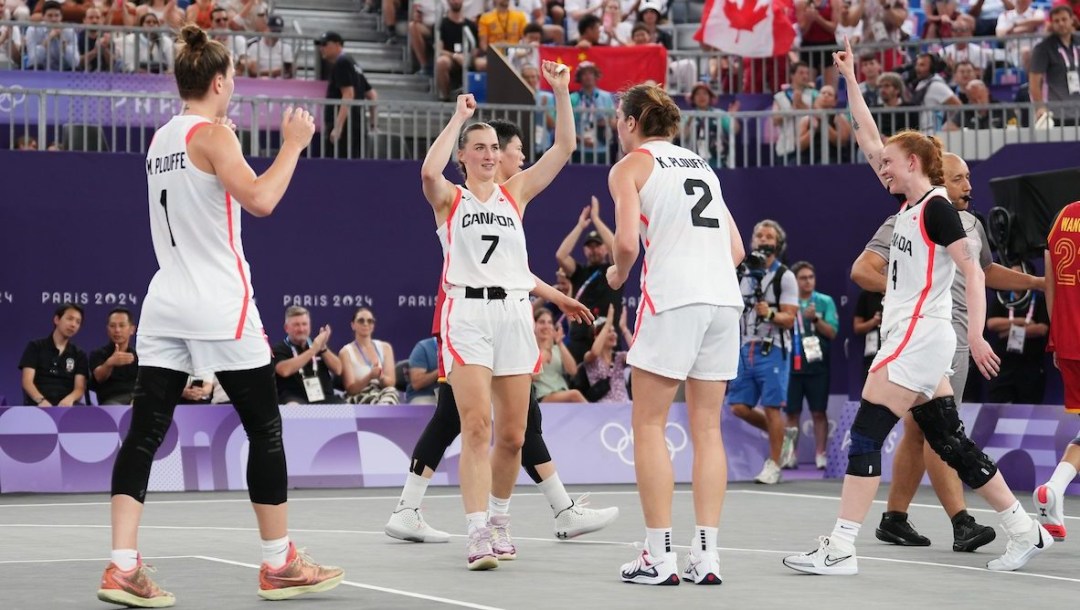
413	492
704	539
498	506
475	521
275	552
846	530
1014	520
556	495
1063	475
658	540
125	559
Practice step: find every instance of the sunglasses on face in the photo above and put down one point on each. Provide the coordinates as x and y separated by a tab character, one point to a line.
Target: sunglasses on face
365	320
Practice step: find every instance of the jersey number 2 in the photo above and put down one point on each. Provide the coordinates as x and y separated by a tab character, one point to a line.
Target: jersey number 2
165	205
494	239
691	186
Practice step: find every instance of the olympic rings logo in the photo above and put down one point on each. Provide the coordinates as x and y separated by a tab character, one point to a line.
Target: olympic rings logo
8	101
674	436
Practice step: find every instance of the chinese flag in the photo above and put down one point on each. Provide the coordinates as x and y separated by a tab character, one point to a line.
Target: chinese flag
620	67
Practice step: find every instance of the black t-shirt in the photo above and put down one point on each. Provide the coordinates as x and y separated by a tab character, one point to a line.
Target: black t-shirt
54	371
452	33
868	304
1034	347
597	296
292	388
346	73
122	379
942	222
893	119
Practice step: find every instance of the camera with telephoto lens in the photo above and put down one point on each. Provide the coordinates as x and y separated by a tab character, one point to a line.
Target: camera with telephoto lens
755	267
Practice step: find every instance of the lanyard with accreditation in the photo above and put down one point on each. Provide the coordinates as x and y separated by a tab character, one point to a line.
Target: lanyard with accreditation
1072	76
1017	332
312	385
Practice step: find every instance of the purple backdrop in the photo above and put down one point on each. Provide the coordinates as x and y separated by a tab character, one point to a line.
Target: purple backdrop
351	232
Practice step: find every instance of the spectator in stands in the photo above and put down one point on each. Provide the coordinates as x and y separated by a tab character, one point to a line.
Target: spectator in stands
563	285
1022	334
198	12
575	10
148	50
817	21
95	46
870	69
534	9
650	13
54	368
242	15
892	119
852	33
49	47
955	53
593	107
1074	5
528	54
343	125
978	94
72	11
1055	63
544	120
235	43
708	135
198	391
799	94
931	90
369	370
451	56
15	10
390	9
11	43
119	13
166	12
113	367
423	373
422	32
867	322
639	34
1024	19
268	55
882	22
942	19
604	368
963	73
500	25
590	32
304	365
26	143
986	14
556	362
1023	94
837	145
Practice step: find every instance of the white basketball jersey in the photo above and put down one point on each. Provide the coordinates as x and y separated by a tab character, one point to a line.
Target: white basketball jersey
920	274
202	289
484	243
684	226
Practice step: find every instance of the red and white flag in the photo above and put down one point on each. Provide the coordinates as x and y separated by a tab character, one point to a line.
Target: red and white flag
750	28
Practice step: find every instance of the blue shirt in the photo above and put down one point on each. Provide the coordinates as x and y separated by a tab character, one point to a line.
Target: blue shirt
423	356
826	310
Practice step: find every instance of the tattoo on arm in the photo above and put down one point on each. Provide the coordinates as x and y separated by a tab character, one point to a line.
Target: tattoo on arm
854	124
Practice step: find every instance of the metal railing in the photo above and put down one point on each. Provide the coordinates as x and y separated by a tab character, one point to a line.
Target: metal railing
125	122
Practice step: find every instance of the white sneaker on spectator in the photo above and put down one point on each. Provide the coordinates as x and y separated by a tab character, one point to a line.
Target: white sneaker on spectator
408	524
788	459
821	461
769	475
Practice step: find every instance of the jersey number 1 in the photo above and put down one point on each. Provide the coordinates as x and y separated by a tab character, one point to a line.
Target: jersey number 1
165	204
691	186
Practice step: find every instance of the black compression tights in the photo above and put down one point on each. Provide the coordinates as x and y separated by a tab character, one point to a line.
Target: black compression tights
445	426
254	396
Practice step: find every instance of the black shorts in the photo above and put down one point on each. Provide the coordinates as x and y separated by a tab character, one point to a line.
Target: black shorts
814	388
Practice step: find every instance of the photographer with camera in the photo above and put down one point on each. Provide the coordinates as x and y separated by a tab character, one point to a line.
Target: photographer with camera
771	298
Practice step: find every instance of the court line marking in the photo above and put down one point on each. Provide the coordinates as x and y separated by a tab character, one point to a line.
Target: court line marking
530	539
103	559
359	585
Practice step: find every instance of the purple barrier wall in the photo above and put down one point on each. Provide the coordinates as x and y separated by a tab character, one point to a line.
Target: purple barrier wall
75	228
72	450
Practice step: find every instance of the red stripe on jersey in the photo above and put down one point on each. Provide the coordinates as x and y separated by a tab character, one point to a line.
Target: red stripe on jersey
506	193
643	151
439	358
239	262
539	365
915	315
191	132
637	325
644	220
436	323
449	345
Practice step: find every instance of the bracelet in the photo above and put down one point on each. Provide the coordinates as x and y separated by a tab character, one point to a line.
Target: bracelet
772	314
39	401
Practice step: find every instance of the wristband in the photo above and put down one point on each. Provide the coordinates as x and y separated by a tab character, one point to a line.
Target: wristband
39	401
772	314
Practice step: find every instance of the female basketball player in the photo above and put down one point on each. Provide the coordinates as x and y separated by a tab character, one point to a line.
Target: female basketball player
910	370
488	348
687	326
199	317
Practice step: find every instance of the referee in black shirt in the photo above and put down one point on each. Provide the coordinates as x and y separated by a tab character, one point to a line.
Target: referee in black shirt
343	124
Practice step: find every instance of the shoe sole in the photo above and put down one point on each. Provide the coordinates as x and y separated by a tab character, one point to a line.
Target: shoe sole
489	562
123	598
411	537
291	592
506	556
986	536
709	579
1041	499
670	581
844	571
568	534
892	538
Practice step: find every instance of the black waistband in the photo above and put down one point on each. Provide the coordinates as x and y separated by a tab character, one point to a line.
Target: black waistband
493	293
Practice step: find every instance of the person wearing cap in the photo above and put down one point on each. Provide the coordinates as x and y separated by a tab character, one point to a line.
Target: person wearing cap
650	12
589	279
343	125
707	135
268	57
592	109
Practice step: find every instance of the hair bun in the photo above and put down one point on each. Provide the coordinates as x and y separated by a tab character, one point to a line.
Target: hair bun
194	37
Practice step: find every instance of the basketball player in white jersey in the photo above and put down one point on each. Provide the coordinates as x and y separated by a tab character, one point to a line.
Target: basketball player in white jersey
488	347
199	317
910	372
687	326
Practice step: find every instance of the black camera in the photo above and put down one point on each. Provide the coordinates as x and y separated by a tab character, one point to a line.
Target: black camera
757	262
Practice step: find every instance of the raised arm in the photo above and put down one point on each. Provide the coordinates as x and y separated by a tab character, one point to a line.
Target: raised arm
529	183
565	254
437	189
866	131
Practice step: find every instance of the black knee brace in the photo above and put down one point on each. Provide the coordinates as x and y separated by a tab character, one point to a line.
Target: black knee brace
868	433
440	432
534	451
941	425
157	391
254	396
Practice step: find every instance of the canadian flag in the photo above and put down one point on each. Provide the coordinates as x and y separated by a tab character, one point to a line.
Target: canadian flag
750	28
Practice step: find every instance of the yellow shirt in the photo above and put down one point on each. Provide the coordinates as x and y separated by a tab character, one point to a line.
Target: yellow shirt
508	27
